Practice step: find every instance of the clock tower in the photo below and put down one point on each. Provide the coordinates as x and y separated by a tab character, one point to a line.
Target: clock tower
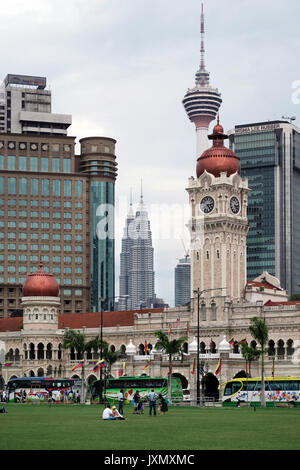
218	199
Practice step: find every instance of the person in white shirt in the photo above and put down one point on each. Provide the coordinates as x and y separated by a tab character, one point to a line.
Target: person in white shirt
107	413
152	402
116	413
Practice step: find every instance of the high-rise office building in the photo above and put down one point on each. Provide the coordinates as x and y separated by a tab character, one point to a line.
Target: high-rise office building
136	262
202	102
270	158
25	107
182	275
53	204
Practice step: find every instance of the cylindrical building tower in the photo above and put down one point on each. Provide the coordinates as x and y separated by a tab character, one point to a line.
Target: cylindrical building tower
98	161
202	102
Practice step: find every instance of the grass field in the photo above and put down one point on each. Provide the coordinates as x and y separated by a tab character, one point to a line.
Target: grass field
67	427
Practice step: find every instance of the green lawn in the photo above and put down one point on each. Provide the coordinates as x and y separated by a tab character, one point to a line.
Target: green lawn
62	427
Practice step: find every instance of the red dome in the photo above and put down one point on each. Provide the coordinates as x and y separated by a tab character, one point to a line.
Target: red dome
218	158
40	284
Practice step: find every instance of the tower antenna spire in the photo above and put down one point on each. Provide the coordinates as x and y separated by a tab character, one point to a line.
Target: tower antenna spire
142	190
202	49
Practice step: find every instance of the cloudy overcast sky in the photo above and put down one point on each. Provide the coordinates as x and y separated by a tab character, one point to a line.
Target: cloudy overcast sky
122	67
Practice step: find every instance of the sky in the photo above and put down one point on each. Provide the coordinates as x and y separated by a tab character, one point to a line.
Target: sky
122	68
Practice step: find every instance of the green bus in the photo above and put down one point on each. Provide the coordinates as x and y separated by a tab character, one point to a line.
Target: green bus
144	384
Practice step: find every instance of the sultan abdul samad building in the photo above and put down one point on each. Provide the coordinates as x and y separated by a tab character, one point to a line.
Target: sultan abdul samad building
222	298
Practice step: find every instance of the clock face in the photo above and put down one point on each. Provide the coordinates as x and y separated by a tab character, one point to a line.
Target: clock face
234	205
207	204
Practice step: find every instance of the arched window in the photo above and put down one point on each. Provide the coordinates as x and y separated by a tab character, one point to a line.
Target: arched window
10	355
36	314
59	352
253	344
40	372
112	348
290	349
280	349
123	349
202	348
25	352
271	348
185	347
49	371
89	354
212	347
72	354
40	353
49	351
31	351
213	311
17	355
141	350
203	311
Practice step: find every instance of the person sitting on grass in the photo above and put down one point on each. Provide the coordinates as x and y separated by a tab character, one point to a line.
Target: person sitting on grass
107	413
116	413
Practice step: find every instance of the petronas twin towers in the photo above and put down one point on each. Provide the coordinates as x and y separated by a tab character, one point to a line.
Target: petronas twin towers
136	261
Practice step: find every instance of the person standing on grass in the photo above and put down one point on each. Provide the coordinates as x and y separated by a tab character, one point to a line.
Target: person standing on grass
152	402
136	401
163	404
121	401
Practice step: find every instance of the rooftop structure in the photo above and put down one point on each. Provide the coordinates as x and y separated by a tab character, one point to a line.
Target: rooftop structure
25	107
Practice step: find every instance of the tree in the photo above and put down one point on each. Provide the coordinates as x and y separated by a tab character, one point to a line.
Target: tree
76	340
250	354
169	347
259	331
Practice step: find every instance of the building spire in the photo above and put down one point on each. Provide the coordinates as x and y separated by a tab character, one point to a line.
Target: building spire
130	212
202	76
142	197
202	49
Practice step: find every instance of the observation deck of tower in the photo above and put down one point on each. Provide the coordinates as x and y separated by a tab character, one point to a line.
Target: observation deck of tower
202	102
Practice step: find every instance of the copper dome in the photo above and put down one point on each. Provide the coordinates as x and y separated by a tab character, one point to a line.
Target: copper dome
218	158
40	284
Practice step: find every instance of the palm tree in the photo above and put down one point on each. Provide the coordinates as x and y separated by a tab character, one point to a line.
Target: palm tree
259	331
76	340
169	347
250	354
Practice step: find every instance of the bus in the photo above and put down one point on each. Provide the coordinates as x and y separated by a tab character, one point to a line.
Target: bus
36	388
248	390
144	384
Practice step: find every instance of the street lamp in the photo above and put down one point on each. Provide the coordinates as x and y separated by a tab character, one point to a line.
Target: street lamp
199	293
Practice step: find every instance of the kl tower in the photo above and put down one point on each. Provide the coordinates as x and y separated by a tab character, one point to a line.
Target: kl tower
202	102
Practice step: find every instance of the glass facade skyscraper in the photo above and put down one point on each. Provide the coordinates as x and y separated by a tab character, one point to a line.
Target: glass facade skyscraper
50	210
270	158
137	277
182	274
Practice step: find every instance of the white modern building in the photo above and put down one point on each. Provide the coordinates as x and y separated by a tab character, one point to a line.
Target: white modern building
25	107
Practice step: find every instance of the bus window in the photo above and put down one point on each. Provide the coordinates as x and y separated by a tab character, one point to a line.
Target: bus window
236	387
228	389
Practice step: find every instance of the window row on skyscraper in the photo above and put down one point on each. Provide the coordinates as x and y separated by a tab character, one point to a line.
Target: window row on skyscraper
36	187
46	164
